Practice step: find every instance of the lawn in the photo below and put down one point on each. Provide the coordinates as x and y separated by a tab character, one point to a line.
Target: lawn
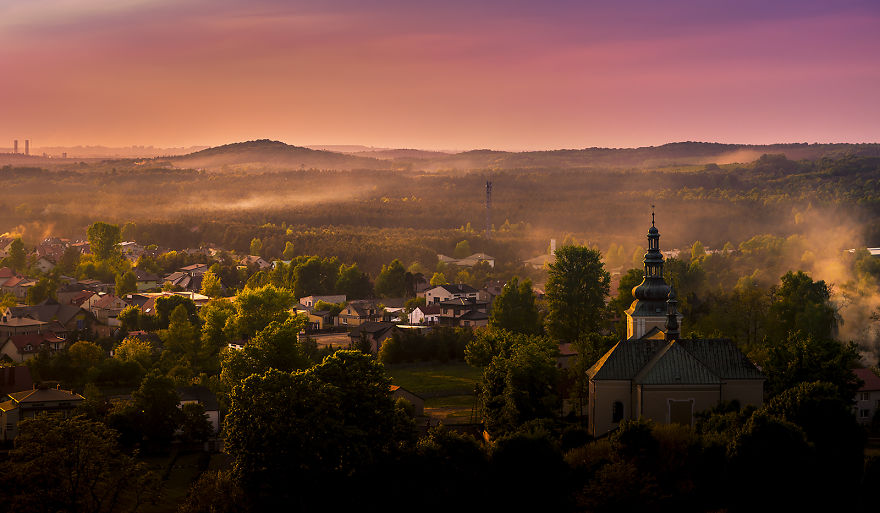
430	380
448	388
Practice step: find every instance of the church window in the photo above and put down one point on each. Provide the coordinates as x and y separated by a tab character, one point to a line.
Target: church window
617	411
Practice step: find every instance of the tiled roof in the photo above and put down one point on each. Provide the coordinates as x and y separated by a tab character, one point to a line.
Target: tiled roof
34	340
458	288
674	365
690	360
45	394
872	381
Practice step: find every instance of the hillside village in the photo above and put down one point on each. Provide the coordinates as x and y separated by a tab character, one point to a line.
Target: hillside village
195	325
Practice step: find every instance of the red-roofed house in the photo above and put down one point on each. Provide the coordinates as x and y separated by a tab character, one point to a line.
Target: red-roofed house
20	348
868	397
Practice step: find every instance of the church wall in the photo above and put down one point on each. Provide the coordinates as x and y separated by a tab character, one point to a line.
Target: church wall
603	395
655	399
746	391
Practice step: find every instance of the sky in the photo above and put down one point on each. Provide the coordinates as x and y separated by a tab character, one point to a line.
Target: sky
453	75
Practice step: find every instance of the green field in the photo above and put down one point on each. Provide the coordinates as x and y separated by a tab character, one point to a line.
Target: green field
448	389
436	379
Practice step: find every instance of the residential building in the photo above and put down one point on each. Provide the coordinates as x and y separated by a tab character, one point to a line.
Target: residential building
428	315
200	394
441	293
374	332
28	404
868	397
358	312
311	300
20	348
464	312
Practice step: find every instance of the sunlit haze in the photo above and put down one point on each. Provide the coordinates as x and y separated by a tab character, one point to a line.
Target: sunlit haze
457	75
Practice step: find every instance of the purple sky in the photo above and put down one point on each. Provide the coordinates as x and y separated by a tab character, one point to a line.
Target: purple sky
444	75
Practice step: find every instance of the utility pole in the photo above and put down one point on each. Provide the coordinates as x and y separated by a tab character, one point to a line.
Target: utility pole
488	209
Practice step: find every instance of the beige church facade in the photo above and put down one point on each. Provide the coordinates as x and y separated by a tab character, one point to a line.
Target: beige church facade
658	375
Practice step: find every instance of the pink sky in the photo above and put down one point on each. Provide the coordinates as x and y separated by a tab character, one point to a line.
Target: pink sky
447	75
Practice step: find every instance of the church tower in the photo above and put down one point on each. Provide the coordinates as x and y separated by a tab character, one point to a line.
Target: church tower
649	310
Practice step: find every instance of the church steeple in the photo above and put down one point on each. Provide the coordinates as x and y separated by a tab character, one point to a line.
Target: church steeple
672	332
649	308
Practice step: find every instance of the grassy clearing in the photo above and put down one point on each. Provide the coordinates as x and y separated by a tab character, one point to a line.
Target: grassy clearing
436	379
454	409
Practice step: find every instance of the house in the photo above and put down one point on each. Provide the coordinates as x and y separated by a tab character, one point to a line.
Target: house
318	319
28	404
868	397
418	403
44	264
311	300
441	293
146	280
20	348
14	379
62	319
105	309
464	312
374	332
10	326
253	260
130	250
468	261
429	315
358	312
655	373
200	394
17	286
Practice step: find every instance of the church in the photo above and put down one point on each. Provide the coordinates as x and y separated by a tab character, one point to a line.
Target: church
658	375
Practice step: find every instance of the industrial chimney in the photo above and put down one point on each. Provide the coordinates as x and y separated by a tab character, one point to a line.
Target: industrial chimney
552	246
15	146
27	146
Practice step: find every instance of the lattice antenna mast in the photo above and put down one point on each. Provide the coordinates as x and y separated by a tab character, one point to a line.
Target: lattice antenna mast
488	209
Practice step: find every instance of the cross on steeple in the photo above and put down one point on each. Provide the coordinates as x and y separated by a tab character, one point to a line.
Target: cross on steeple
652	215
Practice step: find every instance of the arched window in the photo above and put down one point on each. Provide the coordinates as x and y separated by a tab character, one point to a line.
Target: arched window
617	411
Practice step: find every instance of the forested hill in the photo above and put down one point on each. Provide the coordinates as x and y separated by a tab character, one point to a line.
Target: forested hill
266	154
672	154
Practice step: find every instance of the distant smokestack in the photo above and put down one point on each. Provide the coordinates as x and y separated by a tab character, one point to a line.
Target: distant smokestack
552	246
15	146
27	146
488	210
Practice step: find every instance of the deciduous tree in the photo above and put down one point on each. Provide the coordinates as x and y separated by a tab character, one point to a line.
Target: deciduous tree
577	284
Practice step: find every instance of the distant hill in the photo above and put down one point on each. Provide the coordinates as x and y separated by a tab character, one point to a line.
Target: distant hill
275	155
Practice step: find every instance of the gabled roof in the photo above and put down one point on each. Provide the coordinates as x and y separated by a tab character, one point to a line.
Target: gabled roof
22	322
429	309
458	288
45	394
35	340
636	359
106	301
46	312
474	315
674	365
872	381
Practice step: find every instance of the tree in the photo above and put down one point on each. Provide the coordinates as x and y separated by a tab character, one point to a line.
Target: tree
155	403
257	308
130	318
165	305
462	249
215	492
134	349
577	284
182	339
73	464
335	419
69	260
43	290
439	279
126	284
353	283
103	240
256	246
84	354
697	251
391	281
803	359
194	425
800	304
289	252
515	310
211	285
17	255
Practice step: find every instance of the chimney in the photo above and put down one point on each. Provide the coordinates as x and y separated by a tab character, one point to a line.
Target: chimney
15	146
27	146
552	246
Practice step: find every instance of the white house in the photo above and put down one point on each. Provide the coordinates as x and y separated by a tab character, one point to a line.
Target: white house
440	293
